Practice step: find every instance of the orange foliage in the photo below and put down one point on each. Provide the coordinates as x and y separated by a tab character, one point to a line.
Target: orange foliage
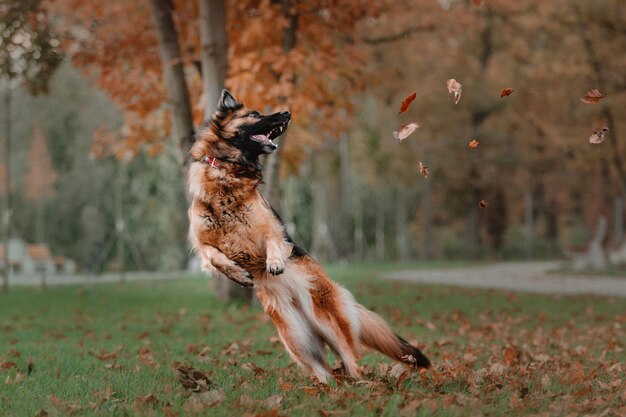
115	42
41	175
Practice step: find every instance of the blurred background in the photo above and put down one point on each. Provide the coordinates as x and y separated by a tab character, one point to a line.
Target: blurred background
100	101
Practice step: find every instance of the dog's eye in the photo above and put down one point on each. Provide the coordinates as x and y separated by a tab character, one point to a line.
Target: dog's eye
255	114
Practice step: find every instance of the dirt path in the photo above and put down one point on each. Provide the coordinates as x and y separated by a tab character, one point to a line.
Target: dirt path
516	276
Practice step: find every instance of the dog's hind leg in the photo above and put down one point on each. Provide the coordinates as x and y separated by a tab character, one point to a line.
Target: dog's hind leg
302	342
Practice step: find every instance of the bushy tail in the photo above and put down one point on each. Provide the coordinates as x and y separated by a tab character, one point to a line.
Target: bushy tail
376	334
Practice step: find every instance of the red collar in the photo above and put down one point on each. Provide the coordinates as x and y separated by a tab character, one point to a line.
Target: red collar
210	160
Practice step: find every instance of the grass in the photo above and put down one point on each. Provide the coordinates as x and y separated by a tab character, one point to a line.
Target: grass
108	350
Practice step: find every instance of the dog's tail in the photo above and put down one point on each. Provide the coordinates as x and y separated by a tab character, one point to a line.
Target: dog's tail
376	334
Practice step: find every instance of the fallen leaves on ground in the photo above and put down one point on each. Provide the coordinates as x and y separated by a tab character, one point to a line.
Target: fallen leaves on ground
598	135
405	131
454	87
407	103
194	380
506	92
592	96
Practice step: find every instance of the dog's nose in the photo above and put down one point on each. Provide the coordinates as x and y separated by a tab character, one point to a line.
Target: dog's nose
285	113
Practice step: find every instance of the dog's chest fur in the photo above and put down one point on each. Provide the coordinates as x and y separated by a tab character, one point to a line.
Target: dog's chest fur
231	215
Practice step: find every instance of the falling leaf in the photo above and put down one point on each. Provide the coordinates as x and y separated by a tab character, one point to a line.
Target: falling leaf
506	92
473	144
405	131
483	203
423	169
592	96
598	135
194	380
407	103
454	87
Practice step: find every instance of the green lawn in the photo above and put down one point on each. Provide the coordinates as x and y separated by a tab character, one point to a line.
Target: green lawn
108	350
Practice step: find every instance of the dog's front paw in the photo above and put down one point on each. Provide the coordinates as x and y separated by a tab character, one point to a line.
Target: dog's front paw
239	275
275	266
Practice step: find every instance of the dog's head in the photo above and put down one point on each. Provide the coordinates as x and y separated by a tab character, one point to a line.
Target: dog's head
242	134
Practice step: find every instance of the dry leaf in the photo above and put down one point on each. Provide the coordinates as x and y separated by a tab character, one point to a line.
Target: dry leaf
194	380
592	96
423	169
598	135
7	365
454	87
473	144
405	131
407	103
506	92
483	203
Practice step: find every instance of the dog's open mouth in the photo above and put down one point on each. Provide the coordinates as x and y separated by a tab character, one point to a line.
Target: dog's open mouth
268	138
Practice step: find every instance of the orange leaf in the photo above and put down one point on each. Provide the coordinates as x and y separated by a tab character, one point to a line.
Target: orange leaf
482	204
592	96
506	92
473	144
407	103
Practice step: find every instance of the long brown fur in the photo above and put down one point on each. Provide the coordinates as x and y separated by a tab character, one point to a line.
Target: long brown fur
234	230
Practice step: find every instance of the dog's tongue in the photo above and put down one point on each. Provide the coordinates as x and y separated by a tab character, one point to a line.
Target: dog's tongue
263	139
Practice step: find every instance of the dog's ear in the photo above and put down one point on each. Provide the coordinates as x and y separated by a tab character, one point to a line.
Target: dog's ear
227	101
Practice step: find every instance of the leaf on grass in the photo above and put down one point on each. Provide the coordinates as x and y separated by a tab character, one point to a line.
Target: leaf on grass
194	380
598	135
405	131
473	144
167	410
482	204
592	96
407	103
42	413
398	373
423	169
506	92
7	365
30	367
454	87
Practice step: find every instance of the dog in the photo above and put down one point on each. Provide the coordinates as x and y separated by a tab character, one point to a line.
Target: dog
235	231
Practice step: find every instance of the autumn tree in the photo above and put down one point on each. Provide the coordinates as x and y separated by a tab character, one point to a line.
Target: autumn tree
29	55
39	179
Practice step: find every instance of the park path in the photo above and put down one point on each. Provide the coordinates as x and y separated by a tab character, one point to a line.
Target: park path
534	277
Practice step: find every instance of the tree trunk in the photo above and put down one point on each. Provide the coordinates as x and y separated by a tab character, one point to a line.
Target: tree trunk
618	224
40	222
359	236
214	59
119	221
528	225
213	54
6	270
427	252
402	238
323	245
174	75
380	226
